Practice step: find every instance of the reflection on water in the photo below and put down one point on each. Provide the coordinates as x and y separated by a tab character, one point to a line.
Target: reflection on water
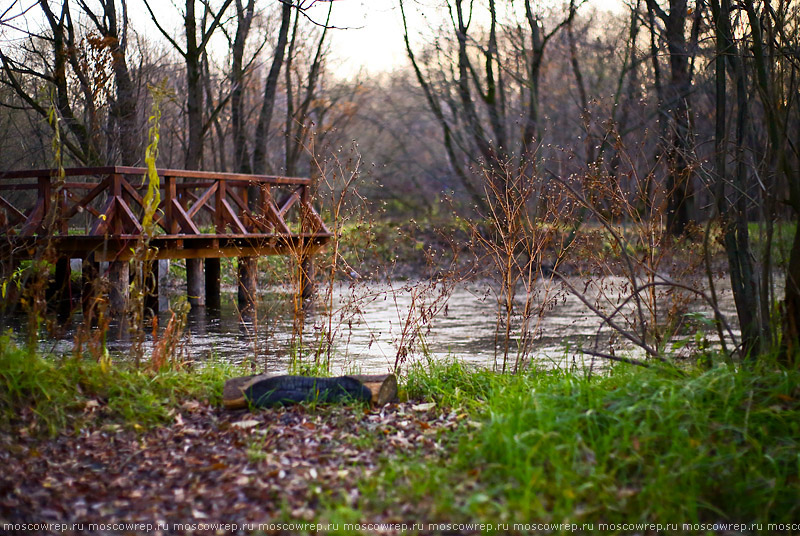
369	325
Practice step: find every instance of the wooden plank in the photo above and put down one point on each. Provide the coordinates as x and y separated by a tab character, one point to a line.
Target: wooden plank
202	200
116	191
11	209
127	216
195	185
182	218
208	208
27	173
68	172
288	202
238	200
91	210
128	187
119	248
316	217
44	194
213	175
170	198
80	185
219	217
158	217
277	218
17	187
34	219
88	198
231	217
128	170
261	223
100	227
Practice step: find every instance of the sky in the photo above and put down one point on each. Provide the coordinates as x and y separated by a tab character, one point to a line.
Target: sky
370	39
373	40
369	34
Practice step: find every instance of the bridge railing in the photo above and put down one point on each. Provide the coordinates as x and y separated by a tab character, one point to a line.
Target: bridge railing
109	202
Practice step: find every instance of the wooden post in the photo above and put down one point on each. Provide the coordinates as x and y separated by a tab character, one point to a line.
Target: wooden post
170	194
116	191
195	278
248	283
195	282
162	277
44	195
63	288
119	283
213	280
151	286
90	291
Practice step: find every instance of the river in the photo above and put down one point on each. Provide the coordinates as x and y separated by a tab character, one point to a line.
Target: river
371	327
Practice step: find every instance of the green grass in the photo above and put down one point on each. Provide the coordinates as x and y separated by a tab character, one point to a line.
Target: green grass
59	394
635	445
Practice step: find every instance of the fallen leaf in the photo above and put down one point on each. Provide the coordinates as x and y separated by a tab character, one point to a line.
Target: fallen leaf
191	405
246	424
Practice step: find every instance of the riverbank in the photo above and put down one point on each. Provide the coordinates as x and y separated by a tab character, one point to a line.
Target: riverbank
85	444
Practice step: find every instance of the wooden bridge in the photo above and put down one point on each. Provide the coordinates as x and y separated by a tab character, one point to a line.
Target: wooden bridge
96	214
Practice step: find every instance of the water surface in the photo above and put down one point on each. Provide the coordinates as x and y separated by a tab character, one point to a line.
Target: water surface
371	327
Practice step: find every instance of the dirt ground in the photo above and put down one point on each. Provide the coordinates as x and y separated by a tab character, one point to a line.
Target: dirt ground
209	466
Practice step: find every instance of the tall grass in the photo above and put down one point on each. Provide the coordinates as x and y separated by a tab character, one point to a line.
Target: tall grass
635	445
49	395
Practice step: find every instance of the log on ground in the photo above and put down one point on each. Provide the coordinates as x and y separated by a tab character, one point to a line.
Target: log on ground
267	390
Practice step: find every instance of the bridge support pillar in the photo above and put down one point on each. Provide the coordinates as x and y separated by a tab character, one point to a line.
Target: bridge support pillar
63	288
195	283
90	291
154	276
248	283
119	276
213	281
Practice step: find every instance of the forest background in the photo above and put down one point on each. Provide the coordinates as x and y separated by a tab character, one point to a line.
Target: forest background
643	160
668	128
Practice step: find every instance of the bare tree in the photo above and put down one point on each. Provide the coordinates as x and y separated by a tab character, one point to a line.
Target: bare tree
486	82
51	59
674	103
270	90
123	132
192	52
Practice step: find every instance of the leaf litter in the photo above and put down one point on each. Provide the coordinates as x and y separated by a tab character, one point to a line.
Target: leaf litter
210	464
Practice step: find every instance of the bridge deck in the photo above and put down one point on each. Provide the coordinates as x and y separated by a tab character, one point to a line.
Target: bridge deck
98	212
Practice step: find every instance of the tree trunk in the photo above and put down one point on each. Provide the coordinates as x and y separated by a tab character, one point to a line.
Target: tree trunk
125	137
194	92
678	182
241	154
270	89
